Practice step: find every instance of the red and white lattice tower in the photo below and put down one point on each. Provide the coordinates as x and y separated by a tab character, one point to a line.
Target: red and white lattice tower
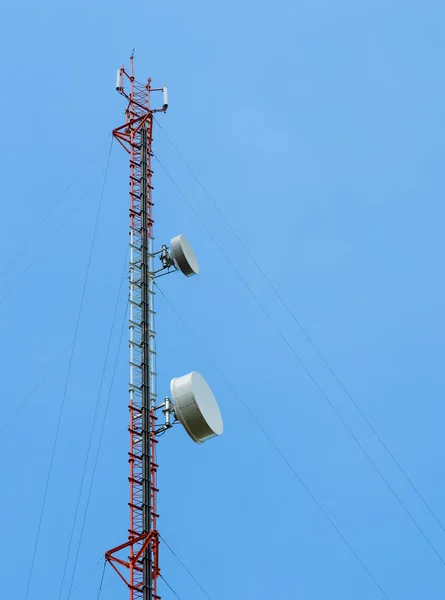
140	569
192	404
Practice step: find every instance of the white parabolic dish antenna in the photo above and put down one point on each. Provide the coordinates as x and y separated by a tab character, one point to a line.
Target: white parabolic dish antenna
183	256
195	407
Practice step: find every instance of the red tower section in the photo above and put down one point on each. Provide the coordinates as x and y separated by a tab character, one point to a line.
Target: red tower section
136	560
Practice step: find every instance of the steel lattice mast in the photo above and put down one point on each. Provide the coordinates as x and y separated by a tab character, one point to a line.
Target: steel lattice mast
140	559
192	403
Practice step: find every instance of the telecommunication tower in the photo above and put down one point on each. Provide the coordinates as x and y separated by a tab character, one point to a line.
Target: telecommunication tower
192	403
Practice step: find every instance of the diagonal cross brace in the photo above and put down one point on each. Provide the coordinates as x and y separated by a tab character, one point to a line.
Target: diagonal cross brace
150	537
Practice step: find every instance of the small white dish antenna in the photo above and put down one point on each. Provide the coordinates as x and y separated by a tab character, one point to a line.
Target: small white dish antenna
183	256
195	407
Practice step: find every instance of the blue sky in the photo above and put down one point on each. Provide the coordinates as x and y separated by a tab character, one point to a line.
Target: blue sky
316	128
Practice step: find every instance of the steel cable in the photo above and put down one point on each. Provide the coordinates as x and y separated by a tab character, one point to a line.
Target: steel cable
277	449
47	215
90	440
304	367
304	332
59	420
90	489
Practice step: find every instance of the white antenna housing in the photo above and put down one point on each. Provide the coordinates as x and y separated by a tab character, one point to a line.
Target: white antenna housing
119	81
195	407
183	256
165	92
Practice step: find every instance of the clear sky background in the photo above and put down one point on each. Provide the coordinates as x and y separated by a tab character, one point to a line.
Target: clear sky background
316	128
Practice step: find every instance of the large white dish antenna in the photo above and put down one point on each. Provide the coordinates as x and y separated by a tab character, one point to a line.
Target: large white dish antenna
195	407
183	256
